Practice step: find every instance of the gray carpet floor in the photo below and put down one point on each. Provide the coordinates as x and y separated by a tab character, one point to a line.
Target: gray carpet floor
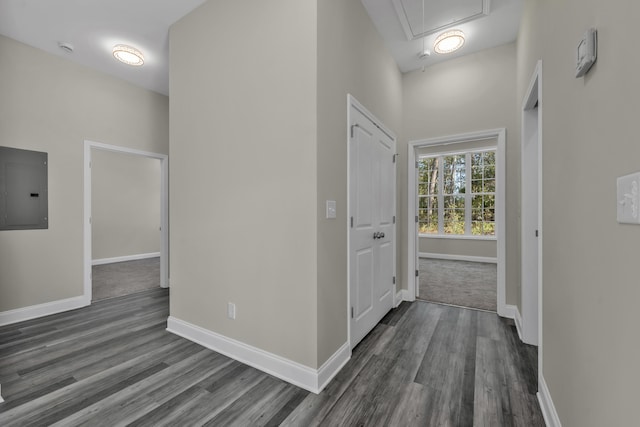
462	283
124	278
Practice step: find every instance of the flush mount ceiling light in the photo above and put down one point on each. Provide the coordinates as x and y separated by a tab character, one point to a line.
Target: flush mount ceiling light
128	55
449	41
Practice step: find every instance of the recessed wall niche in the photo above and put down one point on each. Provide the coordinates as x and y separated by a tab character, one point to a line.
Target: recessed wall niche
24	202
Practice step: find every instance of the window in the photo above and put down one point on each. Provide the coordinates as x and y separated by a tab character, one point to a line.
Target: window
457	193
483	193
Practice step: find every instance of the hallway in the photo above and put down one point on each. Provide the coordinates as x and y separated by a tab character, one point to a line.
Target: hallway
423	365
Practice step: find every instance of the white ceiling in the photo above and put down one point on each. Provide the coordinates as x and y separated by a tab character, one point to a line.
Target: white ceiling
93	27
499	27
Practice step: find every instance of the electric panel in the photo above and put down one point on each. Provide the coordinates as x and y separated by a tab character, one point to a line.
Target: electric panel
24	201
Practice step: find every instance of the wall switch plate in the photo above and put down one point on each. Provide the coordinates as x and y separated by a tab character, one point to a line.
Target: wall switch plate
231	310
628	196
331	209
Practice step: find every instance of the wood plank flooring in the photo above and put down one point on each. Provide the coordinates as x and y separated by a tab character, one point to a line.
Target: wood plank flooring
459	283
124	278
113	364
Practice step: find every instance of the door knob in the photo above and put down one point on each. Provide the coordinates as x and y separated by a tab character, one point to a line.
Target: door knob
380	235
376	235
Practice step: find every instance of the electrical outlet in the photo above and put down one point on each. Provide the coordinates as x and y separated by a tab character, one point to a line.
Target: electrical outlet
231	310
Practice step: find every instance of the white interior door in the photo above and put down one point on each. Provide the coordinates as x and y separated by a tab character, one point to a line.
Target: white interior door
372	195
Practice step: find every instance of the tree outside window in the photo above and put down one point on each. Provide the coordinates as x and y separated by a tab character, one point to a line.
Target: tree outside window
428	195
454	174
483	190
456	194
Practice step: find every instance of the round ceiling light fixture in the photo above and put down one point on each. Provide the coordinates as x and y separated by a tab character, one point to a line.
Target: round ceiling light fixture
449	41
128	55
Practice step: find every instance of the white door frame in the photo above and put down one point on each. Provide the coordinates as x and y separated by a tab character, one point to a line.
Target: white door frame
532	298
412	209
352	102
164	211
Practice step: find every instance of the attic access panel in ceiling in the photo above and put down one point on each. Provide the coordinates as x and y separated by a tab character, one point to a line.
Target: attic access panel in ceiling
438	14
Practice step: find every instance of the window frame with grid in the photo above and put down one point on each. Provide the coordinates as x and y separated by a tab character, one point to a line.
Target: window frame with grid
479	178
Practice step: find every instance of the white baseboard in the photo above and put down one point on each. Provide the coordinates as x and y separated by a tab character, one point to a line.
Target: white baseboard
509	311
491	260
518	321
332	366
547	407
313	380
405	295
398	298
125	258
1	399
40	310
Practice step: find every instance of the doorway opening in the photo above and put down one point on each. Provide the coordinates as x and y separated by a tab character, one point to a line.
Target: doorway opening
456	202
456	229
125	221
531	223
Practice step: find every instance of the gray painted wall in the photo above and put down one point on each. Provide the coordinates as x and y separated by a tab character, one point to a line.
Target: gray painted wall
125	200
461	247
590	137
271	146
352	59
243	173
51	104
472	93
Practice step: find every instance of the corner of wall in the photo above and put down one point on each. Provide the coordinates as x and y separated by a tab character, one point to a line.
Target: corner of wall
547	407
313	380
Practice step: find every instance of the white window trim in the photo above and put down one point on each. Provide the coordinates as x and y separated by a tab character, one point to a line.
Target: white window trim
468	196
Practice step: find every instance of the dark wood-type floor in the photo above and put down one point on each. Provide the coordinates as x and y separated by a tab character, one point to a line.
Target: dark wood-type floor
460	283
124	278
113	364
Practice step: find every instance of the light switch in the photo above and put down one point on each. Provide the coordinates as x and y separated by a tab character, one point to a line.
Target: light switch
628	195
331	209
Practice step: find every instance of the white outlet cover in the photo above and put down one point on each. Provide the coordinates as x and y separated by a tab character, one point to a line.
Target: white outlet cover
628	197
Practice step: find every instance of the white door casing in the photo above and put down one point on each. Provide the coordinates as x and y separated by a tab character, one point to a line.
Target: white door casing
412	209
164	212
531	222
372	195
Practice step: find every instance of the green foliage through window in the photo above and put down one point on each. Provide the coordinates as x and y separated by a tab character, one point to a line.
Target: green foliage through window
456	194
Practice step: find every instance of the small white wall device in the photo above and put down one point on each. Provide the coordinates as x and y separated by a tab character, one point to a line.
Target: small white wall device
628	194
587	52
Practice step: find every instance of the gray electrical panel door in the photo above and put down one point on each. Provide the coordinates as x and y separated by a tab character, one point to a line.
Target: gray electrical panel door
24	202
